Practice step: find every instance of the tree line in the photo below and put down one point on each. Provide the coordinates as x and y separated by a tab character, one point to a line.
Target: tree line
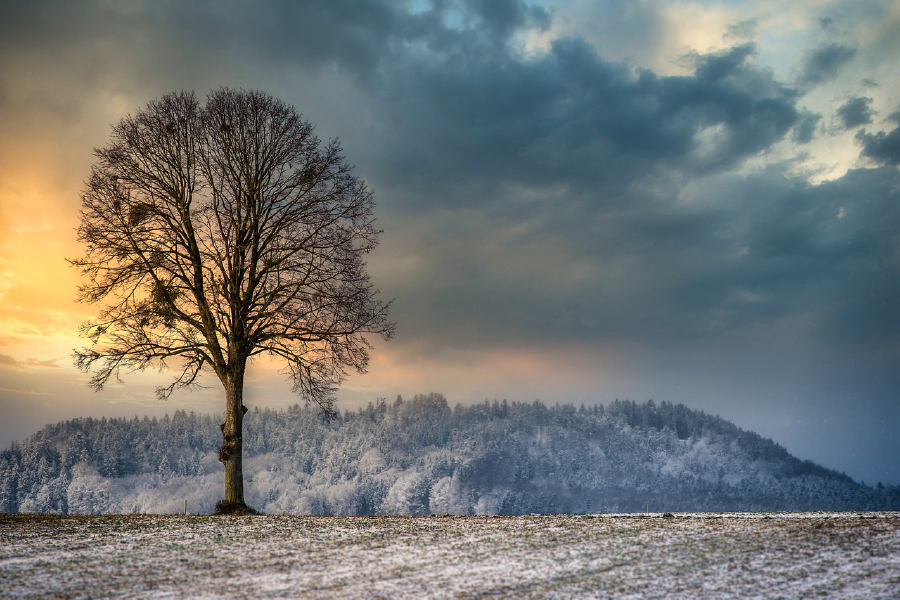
421	456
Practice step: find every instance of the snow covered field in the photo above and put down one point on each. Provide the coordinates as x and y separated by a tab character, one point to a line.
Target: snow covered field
687	555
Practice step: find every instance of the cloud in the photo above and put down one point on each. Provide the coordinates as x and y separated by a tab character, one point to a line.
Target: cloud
526	193
10	362
504	17
24	392
141	50
855	112
462	124
882	147
823	63
805	129
827	23
729	252
743	30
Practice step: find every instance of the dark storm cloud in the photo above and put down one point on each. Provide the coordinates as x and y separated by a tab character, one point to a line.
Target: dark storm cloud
170	44
556	189
883	148
794	247
805	129
447	75
827	23
823	64
743	30
855	112
569	117
741	250
545	196
503	17
557	194
352	33
833	246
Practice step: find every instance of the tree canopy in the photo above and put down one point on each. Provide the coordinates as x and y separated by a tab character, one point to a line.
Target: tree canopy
219	232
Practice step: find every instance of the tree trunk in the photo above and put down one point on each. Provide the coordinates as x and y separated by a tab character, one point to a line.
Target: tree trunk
231	451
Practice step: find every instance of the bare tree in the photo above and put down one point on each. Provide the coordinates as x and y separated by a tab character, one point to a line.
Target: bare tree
221	232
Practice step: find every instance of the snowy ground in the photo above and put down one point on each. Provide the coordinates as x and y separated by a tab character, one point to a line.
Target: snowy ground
688	555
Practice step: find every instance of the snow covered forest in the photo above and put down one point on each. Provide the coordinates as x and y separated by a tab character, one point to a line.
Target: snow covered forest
421	456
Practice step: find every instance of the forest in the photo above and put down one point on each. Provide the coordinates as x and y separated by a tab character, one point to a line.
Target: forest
422	456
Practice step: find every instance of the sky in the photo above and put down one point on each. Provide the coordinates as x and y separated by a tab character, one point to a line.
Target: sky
581	200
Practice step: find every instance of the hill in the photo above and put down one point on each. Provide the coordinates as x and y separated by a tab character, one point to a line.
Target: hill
421	456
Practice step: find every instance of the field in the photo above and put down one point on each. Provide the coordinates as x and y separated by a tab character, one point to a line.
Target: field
683	555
